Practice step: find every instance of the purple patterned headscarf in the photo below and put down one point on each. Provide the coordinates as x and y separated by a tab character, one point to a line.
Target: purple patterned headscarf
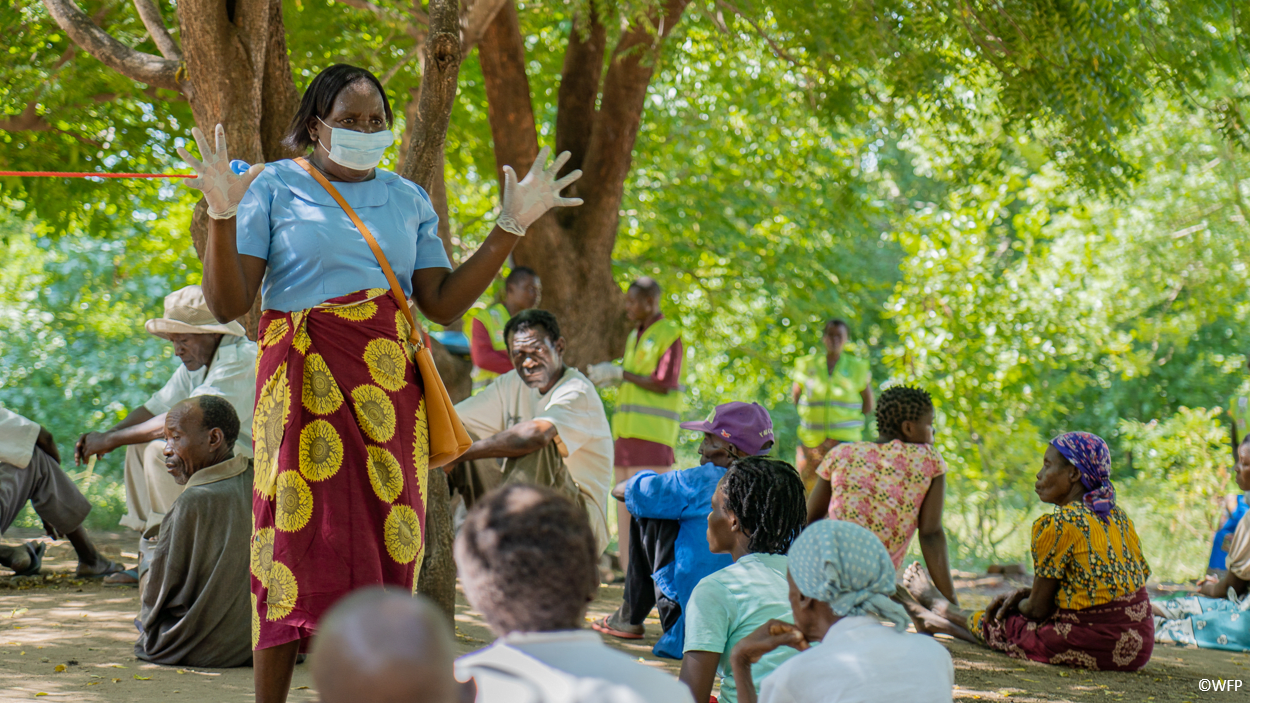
1090	454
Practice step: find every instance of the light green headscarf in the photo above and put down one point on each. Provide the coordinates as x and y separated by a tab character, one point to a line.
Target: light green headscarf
846	566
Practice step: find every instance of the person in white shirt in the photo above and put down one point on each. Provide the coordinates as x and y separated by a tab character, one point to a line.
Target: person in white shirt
526	563
30	470
218	360
839	580
540	407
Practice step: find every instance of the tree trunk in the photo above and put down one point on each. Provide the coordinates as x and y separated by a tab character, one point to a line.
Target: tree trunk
571	249
423	163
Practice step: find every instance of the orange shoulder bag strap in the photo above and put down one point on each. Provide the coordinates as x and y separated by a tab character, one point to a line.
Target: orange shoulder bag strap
415	334
447	438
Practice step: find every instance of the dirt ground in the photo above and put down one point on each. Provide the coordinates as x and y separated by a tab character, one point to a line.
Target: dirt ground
68	640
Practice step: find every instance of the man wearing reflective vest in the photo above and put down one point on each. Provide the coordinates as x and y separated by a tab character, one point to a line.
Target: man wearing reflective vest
648	403
483	326
832	393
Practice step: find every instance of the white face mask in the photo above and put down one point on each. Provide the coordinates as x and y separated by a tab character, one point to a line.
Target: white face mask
357	150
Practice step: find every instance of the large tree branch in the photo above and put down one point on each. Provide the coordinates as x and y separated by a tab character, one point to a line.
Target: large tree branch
476	18
509	96
610	153
578	89
424	159
129	62
153	20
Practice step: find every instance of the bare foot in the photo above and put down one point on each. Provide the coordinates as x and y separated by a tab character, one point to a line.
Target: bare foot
918	613
920	584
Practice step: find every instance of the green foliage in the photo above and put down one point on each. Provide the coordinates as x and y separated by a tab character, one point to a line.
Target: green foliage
1038	212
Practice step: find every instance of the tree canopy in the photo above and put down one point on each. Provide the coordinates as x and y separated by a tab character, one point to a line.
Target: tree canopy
1036	210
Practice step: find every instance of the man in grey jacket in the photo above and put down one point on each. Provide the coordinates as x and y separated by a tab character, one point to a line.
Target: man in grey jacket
196	607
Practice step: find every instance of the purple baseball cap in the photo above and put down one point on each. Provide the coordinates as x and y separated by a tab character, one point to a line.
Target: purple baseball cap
747	426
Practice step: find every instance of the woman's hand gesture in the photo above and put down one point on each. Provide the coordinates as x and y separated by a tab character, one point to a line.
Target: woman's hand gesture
222	188
525	201
1001	606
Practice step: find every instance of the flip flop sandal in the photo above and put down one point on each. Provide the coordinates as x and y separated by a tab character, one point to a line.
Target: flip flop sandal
130	573
114	568
602	626
36	551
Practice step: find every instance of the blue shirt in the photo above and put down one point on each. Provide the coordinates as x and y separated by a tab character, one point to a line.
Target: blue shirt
686	496
313	250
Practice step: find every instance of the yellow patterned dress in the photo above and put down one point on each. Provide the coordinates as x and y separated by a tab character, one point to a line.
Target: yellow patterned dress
341	453
1103	618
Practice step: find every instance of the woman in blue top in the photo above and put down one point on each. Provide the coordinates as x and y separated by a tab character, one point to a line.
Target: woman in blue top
340	428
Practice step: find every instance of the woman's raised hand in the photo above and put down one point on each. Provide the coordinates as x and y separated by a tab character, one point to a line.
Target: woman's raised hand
222	188
525	201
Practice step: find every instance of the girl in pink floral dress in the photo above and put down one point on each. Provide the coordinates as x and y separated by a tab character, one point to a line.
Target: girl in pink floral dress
895	486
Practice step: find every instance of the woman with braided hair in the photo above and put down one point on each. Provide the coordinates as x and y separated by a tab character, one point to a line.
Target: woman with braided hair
895	486
758	510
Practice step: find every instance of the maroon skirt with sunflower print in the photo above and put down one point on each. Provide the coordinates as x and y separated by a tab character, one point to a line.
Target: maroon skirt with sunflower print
341	451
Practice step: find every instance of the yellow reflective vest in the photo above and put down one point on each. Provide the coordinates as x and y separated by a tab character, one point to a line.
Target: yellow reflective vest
494	319
641	413
830	406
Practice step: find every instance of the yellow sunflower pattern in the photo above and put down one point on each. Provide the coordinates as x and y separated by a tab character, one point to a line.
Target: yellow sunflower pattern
294	502
320	451
272	410
402	327
422	448
402	533
282	589
301	341
386	477
374	412
375	292
321	393
255	621
262	552
356	312
386	361
275	332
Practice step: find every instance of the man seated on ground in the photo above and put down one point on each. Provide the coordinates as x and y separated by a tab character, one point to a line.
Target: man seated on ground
526	563
30	470
385	645
668	538
546	419
196	607
217	360
1217	617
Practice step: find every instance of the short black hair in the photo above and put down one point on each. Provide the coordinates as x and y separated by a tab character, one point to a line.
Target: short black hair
646	287
767	497
217	412
319	99
532	318
1245	439
837	322
899	404
520	272
528	560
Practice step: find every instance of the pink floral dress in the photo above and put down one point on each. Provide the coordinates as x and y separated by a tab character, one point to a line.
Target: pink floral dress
881	486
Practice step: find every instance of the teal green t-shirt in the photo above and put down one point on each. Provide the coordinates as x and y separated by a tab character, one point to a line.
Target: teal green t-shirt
730	604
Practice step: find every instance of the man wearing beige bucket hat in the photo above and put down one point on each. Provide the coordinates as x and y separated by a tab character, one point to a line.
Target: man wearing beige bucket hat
217	359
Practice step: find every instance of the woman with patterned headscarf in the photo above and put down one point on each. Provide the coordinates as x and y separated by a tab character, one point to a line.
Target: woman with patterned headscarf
1088	607
839	578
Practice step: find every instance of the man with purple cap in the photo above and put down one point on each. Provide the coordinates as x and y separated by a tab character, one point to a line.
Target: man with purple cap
668	533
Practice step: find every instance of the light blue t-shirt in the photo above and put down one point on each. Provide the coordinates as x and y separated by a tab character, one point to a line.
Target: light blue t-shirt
315	253
730	604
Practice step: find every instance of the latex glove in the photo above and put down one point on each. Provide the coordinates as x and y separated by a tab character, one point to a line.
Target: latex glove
222	188
605	374
527	200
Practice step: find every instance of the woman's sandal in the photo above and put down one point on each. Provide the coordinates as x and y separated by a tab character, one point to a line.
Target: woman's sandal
111	570
602	626
36	551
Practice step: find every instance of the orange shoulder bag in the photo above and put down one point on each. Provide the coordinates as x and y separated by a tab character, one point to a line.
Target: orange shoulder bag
447	438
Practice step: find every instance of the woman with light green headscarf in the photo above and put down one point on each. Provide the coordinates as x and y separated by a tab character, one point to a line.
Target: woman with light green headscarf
839	579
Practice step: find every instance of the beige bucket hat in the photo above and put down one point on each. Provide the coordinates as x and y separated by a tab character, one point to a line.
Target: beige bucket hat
185	312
